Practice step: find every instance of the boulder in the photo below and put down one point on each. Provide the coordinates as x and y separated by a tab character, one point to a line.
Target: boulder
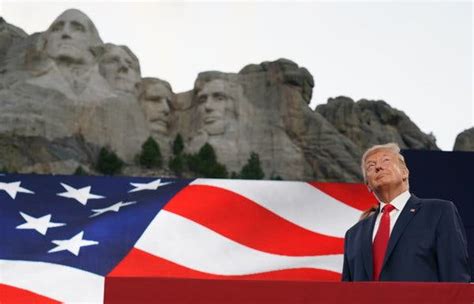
465	140
371	122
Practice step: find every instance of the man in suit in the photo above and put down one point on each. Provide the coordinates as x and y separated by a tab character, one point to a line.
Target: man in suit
406	238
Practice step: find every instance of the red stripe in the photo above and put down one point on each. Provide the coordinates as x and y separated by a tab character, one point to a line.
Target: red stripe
242	220
354	195
14	295
142	264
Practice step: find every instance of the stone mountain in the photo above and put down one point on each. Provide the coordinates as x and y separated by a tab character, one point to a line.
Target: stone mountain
64	94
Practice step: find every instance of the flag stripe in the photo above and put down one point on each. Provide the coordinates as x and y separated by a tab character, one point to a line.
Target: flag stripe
203	229
58	282
354	195
13	295
142	264
297	202
276	235
194	246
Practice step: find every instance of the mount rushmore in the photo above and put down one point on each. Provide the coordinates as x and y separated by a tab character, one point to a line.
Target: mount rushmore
64	94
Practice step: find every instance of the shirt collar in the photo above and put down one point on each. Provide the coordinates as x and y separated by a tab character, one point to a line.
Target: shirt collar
399	202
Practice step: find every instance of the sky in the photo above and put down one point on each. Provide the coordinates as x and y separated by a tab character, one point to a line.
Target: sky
417	56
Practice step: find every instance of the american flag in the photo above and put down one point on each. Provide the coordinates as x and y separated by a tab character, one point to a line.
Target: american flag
62	236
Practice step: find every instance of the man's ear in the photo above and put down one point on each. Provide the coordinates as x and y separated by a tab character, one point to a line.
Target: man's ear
405	173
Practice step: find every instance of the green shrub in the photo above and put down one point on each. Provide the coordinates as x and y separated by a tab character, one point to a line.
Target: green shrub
10	170
178	145
80	171
108	162
150	156
253	169
177	164
204	163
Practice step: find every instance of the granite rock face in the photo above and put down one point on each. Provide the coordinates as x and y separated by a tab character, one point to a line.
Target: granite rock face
65	82
34	154
9	34
158	103
368	122
65	94
264	109
465	140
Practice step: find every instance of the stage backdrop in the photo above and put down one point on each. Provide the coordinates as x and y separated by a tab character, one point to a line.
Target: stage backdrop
61	236
446	175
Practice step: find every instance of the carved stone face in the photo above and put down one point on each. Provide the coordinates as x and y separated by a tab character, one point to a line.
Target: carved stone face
71	37
156	101
120	69
214	101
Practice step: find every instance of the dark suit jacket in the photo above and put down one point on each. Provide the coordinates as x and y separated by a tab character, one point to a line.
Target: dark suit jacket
427	243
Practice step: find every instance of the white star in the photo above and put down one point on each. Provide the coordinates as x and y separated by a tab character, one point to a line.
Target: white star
40	224
115	208
73	245
153	185
13	188
80	195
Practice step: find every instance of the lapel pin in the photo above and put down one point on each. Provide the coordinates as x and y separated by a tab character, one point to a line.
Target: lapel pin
412	210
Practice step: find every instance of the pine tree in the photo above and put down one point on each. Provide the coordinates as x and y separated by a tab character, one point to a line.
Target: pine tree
80	171
207	154
205	163
177	162
150	156
253	169
108	162
178	145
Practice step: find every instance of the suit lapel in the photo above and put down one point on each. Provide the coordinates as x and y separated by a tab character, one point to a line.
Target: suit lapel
367	243
408	212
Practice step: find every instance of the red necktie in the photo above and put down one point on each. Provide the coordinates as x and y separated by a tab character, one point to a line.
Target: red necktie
381	241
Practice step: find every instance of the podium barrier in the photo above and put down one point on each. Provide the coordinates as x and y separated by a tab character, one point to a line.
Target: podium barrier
172	290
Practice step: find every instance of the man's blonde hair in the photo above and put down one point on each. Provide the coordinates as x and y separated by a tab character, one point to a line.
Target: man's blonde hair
392	147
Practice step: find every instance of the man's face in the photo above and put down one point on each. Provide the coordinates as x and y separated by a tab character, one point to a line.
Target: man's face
213	101
69	38
120	70
156	102
384	169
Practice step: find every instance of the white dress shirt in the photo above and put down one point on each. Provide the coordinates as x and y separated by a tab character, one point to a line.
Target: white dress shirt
399	203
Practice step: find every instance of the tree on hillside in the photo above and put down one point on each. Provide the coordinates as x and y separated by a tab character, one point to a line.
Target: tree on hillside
205	164
150	156
108	162
253	168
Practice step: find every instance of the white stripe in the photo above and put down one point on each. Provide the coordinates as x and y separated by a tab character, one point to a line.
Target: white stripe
58	282
192	245
297	202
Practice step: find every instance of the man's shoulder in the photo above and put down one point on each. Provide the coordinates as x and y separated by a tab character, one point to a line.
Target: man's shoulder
434	203
361	223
